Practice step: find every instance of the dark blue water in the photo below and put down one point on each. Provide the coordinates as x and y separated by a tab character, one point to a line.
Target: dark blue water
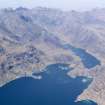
55	88
88	60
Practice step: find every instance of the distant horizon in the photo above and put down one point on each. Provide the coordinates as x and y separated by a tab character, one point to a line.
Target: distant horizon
65	5
96	8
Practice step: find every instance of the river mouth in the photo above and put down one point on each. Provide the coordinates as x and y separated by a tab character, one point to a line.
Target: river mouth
55	88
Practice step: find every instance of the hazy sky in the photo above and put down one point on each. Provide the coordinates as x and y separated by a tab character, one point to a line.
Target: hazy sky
63	4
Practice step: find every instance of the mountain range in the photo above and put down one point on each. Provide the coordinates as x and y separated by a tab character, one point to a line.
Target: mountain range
31	39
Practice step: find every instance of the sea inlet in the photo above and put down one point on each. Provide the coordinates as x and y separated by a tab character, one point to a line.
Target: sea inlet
55	88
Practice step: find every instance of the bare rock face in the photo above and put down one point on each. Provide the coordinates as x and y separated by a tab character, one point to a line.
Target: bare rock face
96	90
26	48
31	39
